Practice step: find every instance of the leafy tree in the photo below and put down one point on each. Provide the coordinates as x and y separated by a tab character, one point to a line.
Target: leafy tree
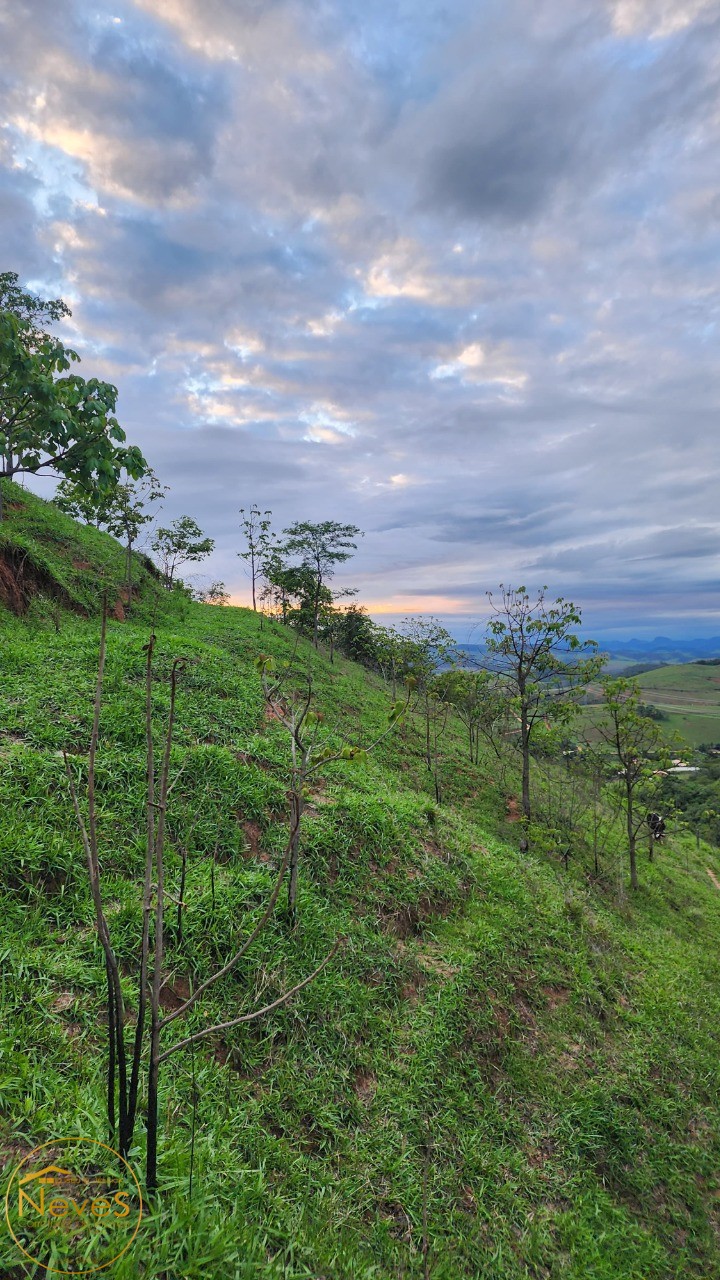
697	796
356	635
180	543
480	704
51	418
292	591
216	593
33	311
393	656
428	647
256	527
121	510
528	643
639	749
82	504
320	547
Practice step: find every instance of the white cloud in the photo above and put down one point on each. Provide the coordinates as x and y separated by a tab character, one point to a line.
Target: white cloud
657	18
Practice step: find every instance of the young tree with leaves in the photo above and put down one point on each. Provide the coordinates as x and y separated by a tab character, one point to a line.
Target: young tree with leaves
82	504
320	547
356	635
290	590
182	542
480	704
122	510
428	647
393	656
533	649
216	593
640	751
256	526
51	419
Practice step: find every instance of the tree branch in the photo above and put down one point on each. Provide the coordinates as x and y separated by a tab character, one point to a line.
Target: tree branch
257	1013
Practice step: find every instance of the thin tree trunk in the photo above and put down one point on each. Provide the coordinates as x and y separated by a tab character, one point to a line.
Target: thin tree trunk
111	1056
296	810
525	771
147	892
128	573
152	1117
90	846
316	614
436	764
631	837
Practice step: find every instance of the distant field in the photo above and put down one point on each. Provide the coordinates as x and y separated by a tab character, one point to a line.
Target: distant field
690	697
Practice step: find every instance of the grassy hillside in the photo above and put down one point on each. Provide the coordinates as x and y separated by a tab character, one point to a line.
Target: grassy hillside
48	560
689	694
524	1058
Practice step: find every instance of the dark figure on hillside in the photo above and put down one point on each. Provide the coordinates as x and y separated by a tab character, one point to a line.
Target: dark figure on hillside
656	825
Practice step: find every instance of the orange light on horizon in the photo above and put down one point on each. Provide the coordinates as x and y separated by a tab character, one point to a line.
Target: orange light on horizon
398	605
417	604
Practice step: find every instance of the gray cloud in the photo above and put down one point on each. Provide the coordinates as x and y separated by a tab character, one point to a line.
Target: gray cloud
534	112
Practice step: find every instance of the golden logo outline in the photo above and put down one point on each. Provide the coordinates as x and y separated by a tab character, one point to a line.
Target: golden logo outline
54	1144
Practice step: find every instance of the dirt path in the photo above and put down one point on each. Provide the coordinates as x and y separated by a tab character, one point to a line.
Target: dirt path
713	877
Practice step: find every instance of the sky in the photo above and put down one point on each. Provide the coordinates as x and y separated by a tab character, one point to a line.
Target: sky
443	269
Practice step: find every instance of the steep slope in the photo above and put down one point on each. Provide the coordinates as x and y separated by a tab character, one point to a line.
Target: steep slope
504	1062
47	559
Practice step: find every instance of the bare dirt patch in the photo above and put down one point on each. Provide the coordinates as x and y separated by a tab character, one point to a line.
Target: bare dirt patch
436	964
21	579
365	1084
63	1001
253	835
173	995
273	711
555	995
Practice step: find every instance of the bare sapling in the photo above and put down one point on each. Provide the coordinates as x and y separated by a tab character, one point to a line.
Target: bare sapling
123	1086
117	1058
311	747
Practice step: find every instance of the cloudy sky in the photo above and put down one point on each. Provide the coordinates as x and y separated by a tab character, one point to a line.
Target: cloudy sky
446	269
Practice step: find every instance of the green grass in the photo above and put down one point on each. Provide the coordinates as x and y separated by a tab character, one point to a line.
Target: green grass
538	1050
49	560
689	695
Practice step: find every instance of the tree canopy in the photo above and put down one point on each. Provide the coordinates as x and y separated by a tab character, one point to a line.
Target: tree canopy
533	647
320	547
50	418
181	542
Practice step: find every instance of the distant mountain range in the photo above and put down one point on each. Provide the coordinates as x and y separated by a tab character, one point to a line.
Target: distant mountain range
663	649
660	649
